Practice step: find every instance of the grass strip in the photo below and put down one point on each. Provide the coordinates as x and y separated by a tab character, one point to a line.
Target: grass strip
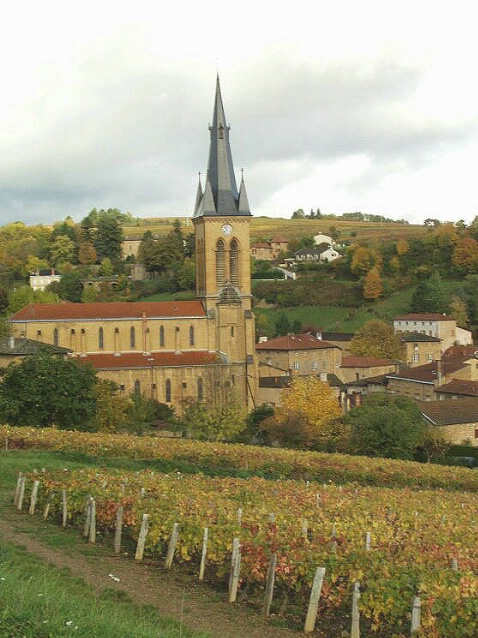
41	601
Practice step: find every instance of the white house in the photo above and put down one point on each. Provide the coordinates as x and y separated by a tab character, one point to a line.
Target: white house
323	239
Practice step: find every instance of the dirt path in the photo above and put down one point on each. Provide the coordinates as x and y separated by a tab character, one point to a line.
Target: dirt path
174	596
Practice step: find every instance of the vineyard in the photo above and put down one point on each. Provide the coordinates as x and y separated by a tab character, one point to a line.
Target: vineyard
399	541
244	460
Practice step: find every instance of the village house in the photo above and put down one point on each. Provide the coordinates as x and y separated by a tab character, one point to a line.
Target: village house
270	250
299	355
424	382
420	348
455	421
41	279
321	254
435	325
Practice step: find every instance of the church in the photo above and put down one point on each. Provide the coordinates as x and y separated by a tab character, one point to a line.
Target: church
176	351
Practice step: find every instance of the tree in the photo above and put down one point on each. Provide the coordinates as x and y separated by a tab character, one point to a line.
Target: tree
111	407
108	233
62	250
217	415
429	296
106	267
47	390
392	427
373	285
220	421
143	411
363	260
465	255
377	339
308	415
70	286
254	430
282	324
86	253
24	295
459	311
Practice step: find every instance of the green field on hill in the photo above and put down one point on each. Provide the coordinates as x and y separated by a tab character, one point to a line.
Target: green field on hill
263	228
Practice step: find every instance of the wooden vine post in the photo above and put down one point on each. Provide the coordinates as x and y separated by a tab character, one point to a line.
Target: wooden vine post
21	493
17	489
172	546
33	498
86	526
316	590
202	565
142	537
368	541
355	629
92	530
64	506
416	616
118	529
235	570
271	574
46	511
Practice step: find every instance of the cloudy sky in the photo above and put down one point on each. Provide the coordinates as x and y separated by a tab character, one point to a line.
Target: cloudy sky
343	106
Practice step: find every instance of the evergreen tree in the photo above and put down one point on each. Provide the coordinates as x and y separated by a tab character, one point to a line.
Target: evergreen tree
45	390
429	296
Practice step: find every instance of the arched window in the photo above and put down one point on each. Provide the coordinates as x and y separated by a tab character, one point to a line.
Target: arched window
101	339
132	338
234	262
55	337
220	264
137	387
191	335
200	390
161	336
167	390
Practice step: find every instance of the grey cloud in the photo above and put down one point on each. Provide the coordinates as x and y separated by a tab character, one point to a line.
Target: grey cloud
329	110
120	127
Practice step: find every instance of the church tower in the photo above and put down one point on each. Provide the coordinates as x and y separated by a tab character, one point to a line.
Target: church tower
221	225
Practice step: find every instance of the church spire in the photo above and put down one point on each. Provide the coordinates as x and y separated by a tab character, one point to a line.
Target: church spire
220	179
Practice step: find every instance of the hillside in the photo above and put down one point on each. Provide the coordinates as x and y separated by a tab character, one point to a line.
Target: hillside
266	227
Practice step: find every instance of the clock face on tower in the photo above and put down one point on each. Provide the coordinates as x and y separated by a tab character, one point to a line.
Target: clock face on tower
226	229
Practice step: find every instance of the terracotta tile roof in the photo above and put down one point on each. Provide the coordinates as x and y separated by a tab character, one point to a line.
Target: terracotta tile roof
275	382
279	240
337	336
459	351
295	342
450	411
424	316
261	245
418	336
364	362
380	379
109	310
428	372
459	386
108	361
21	346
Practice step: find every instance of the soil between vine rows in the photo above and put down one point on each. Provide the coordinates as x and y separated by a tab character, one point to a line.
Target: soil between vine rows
174	595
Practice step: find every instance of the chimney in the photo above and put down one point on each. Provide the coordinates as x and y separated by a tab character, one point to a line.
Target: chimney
439	372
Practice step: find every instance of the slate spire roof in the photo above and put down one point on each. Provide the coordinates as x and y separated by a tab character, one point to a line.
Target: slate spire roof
221	196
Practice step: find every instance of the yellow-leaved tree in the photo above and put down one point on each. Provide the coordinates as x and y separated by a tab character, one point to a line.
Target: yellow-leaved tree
308	417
